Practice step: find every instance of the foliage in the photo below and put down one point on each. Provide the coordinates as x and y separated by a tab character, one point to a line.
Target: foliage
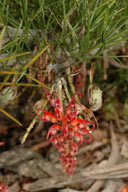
90	25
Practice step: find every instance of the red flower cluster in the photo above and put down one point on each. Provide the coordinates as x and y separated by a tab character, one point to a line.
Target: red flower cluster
3	188
79	82
67	130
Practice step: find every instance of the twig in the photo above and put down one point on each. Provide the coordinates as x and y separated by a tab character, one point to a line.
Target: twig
31	125
71	83
116	64
60	92
105	64
110	172
66	89
91	147
113	159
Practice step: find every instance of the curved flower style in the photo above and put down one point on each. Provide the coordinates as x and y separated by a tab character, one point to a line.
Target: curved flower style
67	131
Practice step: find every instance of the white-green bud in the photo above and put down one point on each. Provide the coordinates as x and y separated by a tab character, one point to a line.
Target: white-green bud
7	95
94	97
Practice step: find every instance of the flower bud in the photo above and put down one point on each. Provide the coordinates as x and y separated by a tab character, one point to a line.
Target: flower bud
94	97
8	95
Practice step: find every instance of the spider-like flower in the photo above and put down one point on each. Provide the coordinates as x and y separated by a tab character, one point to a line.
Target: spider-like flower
3	188
67	132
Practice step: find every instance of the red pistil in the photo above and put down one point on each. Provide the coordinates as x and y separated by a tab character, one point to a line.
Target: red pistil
46	116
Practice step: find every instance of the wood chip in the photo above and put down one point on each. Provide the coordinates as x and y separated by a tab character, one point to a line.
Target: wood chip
27	162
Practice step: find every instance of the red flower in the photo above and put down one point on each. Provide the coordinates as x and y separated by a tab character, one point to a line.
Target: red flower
3	188
2	143
67	130
125	189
